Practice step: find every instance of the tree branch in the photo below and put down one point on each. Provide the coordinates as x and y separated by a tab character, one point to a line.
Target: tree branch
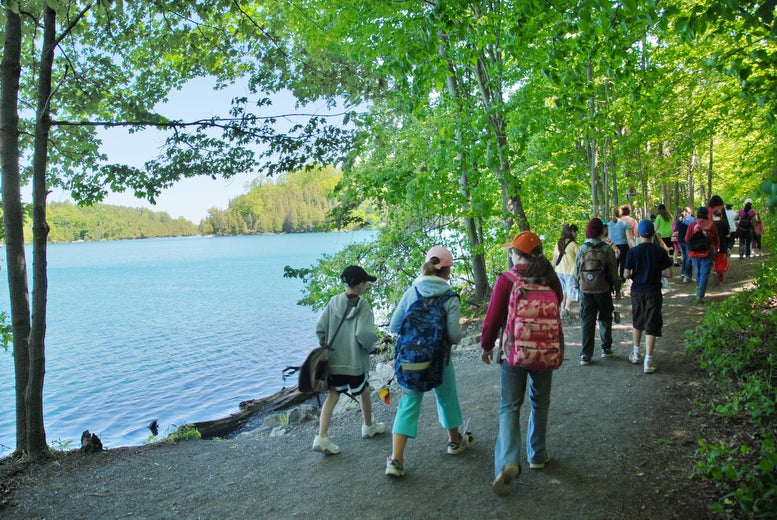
214	122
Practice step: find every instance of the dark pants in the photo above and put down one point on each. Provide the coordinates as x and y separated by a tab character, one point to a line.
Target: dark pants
593	306
624	249
744	245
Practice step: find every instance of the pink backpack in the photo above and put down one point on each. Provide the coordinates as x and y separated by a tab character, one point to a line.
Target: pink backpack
533	337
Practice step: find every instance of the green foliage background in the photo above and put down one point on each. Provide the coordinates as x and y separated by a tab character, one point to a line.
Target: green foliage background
735	342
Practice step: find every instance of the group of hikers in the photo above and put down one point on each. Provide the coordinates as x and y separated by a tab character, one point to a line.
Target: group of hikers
522	329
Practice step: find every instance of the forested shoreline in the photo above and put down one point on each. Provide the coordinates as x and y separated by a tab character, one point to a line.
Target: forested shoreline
298	202
71	223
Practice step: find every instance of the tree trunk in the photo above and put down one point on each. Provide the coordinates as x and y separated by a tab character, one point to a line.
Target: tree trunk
36	433
511	187
13	217
475	237
691	183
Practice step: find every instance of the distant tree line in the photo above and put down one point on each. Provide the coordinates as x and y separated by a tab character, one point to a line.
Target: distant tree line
69	223
297	202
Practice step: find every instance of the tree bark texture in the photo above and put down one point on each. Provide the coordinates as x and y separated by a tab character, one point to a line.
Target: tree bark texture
13	216
36	433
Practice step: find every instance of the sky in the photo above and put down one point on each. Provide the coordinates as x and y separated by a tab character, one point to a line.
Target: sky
188	198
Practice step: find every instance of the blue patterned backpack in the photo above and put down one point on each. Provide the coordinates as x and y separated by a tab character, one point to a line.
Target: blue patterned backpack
422	346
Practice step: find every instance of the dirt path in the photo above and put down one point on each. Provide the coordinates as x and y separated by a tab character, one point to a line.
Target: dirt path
622	444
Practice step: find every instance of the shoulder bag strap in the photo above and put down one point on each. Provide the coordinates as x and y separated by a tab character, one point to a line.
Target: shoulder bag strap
352	303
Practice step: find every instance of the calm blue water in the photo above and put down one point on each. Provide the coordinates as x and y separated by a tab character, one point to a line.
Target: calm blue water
179	330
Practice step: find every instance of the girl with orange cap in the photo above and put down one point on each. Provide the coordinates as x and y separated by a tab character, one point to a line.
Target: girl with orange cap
528	261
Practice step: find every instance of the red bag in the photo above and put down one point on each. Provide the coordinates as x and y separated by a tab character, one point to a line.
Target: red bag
720	265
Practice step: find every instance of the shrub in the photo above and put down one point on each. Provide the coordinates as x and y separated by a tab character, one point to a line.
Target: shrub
736	345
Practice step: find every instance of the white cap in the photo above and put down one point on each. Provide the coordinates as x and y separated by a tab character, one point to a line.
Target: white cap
748	201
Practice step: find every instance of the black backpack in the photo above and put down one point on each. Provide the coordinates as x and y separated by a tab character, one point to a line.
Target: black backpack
745	226
699	241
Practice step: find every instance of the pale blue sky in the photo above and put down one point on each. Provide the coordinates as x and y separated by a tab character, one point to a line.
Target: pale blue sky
189	198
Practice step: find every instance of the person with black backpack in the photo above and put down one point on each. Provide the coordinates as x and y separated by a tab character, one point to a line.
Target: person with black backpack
596	275
421	335
703	243
746	228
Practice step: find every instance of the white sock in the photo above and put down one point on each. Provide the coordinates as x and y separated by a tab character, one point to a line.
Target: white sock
636	349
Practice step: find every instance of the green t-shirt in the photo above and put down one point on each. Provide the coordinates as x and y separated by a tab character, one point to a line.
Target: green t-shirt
664	227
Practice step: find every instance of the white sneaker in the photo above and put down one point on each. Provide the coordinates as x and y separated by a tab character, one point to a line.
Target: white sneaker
324	445
394	468
634	357
650	366
502	482
372	430
466	440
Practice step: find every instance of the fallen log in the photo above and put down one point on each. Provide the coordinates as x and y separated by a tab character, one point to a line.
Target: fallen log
285	398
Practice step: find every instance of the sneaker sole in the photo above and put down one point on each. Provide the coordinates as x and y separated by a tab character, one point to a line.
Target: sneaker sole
503	481
371	435
539	465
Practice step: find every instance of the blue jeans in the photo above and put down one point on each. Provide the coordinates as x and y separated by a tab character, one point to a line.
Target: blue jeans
448	409
687	269
703	267
508	441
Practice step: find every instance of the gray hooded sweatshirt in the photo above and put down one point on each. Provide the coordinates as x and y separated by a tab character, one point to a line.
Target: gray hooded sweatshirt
350	354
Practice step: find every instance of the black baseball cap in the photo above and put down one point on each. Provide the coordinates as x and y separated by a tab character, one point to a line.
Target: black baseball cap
354	275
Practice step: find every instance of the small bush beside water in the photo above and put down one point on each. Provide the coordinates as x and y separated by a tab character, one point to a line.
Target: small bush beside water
736	345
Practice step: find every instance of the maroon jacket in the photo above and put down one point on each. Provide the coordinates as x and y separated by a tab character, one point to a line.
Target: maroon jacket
712	234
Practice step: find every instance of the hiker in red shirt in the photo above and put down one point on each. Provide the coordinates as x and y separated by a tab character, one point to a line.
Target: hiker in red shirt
703	242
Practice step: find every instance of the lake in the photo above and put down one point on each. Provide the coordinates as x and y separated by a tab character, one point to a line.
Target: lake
179	330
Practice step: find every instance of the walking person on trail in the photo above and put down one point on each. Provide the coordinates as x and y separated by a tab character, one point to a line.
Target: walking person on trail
645	264
758	232
353	329
731	216
528	264
619	233
663	226
703	242
631	222
596	276
433	283
682	229
746	228
564	255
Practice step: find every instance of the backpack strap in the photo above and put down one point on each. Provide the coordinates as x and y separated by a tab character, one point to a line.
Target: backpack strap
352	303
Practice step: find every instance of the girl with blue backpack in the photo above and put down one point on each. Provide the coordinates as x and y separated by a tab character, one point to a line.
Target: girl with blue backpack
431	285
